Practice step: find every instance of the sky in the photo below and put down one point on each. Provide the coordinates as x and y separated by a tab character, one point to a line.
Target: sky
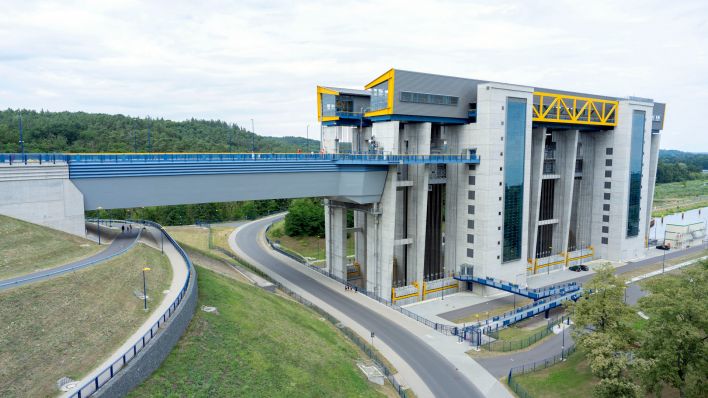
262	60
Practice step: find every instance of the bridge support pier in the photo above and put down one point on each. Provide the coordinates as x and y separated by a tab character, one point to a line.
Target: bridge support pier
336	227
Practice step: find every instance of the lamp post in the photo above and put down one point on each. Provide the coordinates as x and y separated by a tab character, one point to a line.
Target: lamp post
307	139
563	343
22	141
361	126
98	222
145	297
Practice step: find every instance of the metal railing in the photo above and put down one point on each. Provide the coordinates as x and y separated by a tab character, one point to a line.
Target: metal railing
108	373
519	344
356	158
533	367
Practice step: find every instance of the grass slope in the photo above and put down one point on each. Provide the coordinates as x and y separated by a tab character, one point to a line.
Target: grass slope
680	196
27	247
307	246
571	378
68	325
258	345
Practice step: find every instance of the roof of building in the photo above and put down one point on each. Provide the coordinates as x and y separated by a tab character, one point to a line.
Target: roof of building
349	91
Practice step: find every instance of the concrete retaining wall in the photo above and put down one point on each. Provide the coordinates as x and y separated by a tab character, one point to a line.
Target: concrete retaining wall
151	357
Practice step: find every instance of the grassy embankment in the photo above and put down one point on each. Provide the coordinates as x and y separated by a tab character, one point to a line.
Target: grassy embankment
68	325
259	344
307	246
676	197
27	247
520	302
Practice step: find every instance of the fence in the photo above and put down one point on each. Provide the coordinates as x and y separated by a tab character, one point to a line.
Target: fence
529	368
110	372
513	345
440	327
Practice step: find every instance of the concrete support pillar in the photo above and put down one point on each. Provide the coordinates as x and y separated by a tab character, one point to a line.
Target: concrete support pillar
360	242
653	163
337	240
380	240
537	146
568	149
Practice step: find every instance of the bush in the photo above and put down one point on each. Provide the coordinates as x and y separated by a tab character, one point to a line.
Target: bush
305	218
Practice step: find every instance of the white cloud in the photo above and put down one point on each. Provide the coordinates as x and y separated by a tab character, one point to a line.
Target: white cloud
263	59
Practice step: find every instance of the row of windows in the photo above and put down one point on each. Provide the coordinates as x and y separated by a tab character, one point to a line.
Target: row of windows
606	196
432	99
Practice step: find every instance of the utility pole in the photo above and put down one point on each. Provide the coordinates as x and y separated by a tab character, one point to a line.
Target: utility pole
253	137
135	141
149	135
307	139
22	141
145	297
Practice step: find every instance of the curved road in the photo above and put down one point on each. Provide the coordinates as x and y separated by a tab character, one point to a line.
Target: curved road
123	242
441	377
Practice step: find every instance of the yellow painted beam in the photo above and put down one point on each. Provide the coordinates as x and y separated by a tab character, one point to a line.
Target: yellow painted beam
604	111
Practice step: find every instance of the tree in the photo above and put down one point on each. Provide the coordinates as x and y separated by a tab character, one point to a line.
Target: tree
305	218
673	344
602	333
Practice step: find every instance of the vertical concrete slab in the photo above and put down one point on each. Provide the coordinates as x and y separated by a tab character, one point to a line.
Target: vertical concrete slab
568	144
338	222
537	146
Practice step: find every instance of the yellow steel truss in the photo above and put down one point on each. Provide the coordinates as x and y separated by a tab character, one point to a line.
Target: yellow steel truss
562	108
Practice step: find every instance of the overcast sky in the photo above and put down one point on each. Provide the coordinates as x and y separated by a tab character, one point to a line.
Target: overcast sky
237	60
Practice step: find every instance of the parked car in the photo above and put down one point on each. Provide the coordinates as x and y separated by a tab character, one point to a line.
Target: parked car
584	267
663	247
575	268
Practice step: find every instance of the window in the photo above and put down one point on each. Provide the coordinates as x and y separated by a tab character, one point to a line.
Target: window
608	173
470	195
328	105
607	196
604	240
515	148
608	185
471	180
470	238
431	99
608	151
379	96
470	224
605	218
608	162
606	207
471	166
470	209
470	253
635	172
605	229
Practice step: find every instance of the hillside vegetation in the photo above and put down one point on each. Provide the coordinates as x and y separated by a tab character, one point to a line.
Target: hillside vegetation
27	247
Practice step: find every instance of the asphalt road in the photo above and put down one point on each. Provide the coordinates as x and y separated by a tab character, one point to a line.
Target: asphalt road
120	244
436	372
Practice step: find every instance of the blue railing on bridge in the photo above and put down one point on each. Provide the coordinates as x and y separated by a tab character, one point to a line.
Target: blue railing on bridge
535	294
375	158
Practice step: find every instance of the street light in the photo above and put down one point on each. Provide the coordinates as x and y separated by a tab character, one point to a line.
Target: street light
307	139
253	137
145	297
98	222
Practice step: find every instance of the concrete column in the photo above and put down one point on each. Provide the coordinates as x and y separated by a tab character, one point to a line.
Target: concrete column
653	163
338	222
537	146
328	236
568	148
380	240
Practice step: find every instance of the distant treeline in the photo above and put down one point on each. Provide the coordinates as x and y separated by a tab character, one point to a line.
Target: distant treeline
680	166
95	132
190	214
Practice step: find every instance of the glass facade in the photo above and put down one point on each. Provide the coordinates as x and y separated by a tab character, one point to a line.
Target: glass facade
379	96
433	99
635	172
514	158
328	105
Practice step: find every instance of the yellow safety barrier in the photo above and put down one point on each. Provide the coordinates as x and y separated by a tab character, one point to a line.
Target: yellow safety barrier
395	298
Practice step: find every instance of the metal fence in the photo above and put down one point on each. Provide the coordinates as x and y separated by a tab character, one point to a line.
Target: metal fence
533	367
108	373
513	345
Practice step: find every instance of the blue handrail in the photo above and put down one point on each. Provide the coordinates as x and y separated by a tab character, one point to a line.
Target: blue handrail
108	373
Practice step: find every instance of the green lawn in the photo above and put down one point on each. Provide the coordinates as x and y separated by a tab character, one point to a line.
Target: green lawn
307	246
27	247
680	196
571	378
68	325
515	332
258	345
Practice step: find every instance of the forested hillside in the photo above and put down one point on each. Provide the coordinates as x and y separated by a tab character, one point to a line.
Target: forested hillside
677	166
95	132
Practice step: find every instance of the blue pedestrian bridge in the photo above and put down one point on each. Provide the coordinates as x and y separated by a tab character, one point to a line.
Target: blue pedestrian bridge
150	179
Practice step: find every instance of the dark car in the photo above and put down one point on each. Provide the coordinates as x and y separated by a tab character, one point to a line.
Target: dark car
575	268
584	267
663	247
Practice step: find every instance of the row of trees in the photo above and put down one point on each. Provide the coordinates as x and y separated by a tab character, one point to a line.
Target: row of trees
677	166
190	214
93	132
669	350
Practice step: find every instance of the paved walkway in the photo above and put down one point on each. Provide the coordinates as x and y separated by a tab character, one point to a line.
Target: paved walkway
179	276
121	244
430	363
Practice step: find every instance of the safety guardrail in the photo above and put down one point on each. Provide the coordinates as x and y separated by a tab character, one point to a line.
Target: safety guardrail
108	373
343	158
440	327
535	294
